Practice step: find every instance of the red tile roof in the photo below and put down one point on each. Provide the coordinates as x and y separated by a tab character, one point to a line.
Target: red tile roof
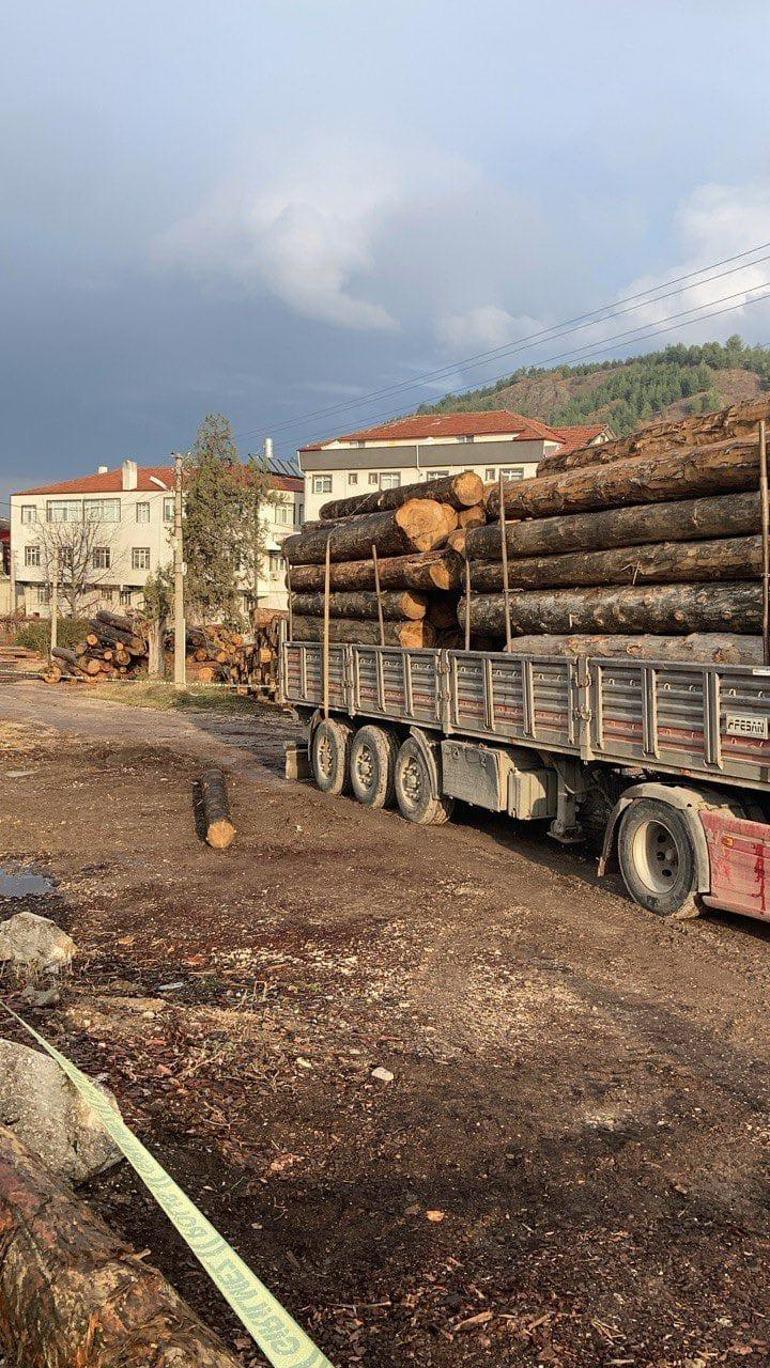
146	477
419	426
572	438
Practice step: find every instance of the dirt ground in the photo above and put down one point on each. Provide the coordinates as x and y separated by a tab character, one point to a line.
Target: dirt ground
570	1164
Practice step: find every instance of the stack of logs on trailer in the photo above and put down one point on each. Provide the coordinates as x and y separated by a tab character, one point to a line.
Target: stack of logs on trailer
394	564
649	546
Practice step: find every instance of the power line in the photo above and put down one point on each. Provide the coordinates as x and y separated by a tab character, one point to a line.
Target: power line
544	335
673	322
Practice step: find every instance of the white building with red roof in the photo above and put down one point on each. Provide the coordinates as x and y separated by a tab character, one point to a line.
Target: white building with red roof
129	513
429	446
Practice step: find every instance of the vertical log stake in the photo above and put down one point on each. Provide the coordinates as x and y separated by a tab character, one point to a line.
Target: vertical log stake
327	583
504	552
376	565
467	604
763	499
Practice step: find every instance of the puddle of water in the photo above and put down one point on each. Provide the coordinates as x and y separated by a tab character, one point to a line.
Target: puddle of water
16	883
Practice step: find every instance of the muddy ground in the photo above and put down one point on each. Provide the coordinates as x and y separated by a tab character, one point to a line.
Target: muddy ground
570	1164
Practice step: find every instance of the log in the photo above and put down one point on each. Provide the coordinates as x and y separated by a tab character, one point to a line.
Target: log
665	610
442	612
719	648
728	558
472	517
117	621
431	570
717	469
451	517
417	525
721	515
459	491
408	634
739	420
215	805
62	653
456	541
72	1293
397	604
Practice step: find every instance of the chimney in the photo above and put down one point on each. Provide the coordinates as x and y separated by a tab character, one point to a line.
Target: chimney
102	470
130	475
268	449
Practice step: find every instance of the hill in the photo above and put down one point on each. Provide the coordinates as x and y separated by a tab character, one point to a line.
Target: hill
625	394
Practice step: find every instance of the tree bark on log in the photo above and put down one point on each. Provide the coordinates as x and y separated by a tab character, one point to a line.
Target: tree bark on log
665	610
220	831
732	465
417	525
472	517
428	571
396	605
728	558
459	491
72	1293
719	648
408	634
738	421
721	515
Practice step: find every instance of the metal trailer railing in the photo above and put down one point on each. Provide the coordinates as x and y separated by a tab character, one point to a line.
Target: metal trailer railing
706	721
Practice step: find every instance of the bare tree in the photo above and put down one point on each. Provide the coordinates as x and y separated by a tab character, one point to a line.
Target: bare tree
84	551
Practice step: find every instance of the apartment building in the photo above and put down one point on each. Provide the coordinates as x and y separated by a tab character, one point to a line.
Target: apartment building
128	515
429	446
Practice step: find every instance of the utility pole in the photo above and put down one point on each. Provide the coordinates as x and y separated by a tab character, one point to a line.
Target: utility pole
55	600
180	631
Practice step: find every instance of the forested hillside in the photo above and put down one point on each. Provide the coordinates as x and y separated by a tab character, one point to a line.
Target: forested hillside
625	394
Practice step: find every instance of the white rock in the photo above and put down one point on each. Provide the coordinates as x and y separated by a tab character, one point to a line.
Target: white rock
384	1075
47	1113
36	943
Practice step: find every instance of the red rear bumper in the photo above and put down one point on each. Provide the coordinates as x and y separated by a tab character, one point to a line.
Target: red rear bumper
739	858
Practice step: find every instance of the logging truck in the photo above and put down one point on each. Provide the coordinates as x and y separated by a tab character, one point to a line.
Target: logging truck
671	758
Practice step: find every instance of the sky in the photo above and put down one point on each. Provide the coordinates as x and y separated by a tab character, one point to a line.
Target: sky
277	209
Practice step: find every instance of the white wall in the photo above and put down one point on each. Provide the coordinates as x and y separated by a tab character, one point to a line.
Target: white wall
115	585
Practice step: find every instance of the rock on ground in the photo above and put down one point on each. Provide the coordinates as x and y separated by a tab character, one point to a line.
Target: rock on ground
35	943
48	1114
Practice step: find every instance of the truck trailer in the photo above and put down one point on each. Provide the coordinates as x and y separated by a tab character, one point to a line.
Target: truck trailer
672	759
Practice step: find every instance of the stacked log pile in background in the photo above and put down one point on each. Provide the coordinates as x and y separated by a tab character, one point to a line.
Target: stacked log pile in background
411	528
648	546
115	646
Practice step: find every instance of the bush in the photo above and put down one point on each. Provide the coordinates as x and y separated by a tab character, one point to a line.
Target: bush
36	635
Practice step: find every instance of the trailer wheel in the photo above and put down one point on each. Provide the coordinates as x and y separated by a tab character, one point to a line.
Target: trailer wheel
657	859
329	752
414	788
373	752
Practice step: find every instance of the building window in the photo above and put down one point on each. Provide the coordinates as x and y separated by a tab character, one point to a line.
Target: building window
31	555
322	484
390	479
282	511
142	512
102	510
374	479
490	475
353	477
28	513
274	562
299	513
106	595
168	509
140	557
359	444
437	475
512	473
466	438
101	558
63	510
43	594
125	598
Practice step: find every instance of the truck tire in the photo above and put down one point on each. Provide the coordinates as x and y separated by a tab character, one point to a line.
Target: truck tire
414	788
657	859
373	753
329	755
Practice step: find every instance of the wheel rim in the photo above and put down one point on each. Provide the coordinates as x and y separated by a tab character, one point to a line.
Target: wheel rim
411	782
656	856
325	757
365	768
